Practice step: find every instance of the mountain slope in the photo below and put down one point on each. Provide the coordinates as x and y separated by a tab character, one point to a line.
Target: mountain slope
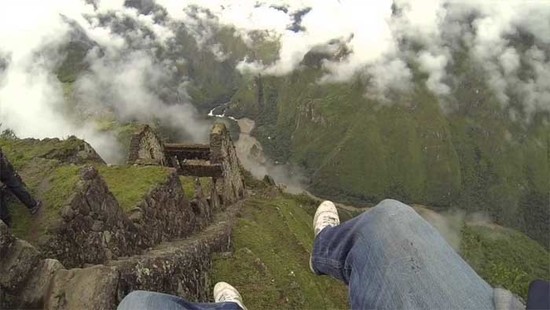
358	149
273	239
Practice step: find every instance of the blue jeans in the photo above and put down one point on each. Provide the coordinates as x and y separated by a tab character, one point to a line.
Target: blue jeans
142	300
388	256
391	258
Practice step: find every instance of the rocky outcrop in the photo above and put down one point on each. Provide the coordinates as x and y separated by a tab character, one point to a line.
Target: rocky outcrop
72	150
92	227
38	285
166	214
16	265
25	276
231	185
89	288
146	148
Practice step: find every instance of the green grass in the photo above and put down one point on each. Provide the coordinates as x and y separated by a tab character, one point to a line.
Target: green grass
54	185
505	257
358	150
21	151
188	185
270	266
130	184
273	238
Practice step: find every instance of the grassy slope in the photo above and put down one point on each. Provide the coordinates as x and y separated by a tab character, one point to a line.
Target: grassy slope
273	239
188	184
272	243
505	257
358	150
53	181
130	184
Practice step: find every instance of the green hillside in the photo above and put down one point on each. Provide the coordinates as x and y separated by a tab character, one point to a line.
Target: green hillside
273	240
50	169
361	150
273	236
475	154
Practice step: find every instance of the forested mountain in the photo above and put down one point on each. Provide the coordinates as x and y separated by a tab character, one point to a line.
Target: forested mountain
451	111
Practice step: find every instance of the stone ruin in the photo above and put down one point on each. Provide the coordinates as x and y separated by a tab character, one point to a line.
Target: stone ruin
97	253
217	160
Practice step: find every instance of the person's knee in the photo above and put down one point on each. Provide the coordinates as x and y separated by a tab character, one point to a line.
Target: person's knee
390	210
135	299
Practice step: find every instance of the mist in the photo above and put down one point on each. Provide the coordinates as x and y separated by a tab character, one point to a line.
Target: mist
377	41
124	80
383	38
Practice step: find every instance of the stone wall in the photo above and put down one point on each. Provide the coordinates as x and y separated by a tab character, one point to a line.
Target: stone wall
201	168
180	268
166	213
189	151
92	228
25	277
231	185
146	148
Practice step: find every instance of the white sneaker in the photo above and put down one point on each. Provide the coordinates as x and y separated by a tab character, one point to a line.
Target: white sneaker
326	215
224	292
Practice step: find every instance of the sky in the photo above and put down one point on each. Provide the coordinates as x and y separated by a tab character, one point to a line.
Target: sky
381	39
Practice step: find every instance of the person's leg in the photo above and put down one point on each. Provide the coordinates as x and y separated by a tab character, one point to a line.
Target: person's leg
4	212
392	259
143	300
11	180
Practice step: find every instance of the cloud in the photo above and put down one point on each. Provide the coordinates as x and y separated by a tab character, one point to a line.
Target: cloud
130	84
382	36
124	76
382	42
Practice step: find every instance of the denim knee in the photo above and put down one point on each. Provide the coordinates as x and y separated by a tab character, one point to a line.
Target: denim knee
135	299
389	211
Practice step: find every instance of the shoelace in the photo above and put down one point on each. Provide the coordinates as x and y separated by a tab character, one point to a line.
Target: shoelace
227	297
329	220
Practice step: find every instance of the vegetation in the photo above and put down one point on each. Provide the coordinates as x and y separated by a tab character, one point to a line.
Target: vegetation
188	184
273	240
130	184
359	149
21	151
270	265
53	185
504	257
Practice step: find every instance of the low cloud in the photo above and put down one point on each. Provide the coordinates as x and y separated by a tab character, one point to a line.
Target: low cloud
383	38
123	78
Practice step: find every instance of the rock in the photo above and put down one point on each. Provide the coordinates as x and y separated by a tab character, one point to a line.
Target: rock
269	180
16	264
6	239
97	226
67	213
32	296
90	288
88	173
